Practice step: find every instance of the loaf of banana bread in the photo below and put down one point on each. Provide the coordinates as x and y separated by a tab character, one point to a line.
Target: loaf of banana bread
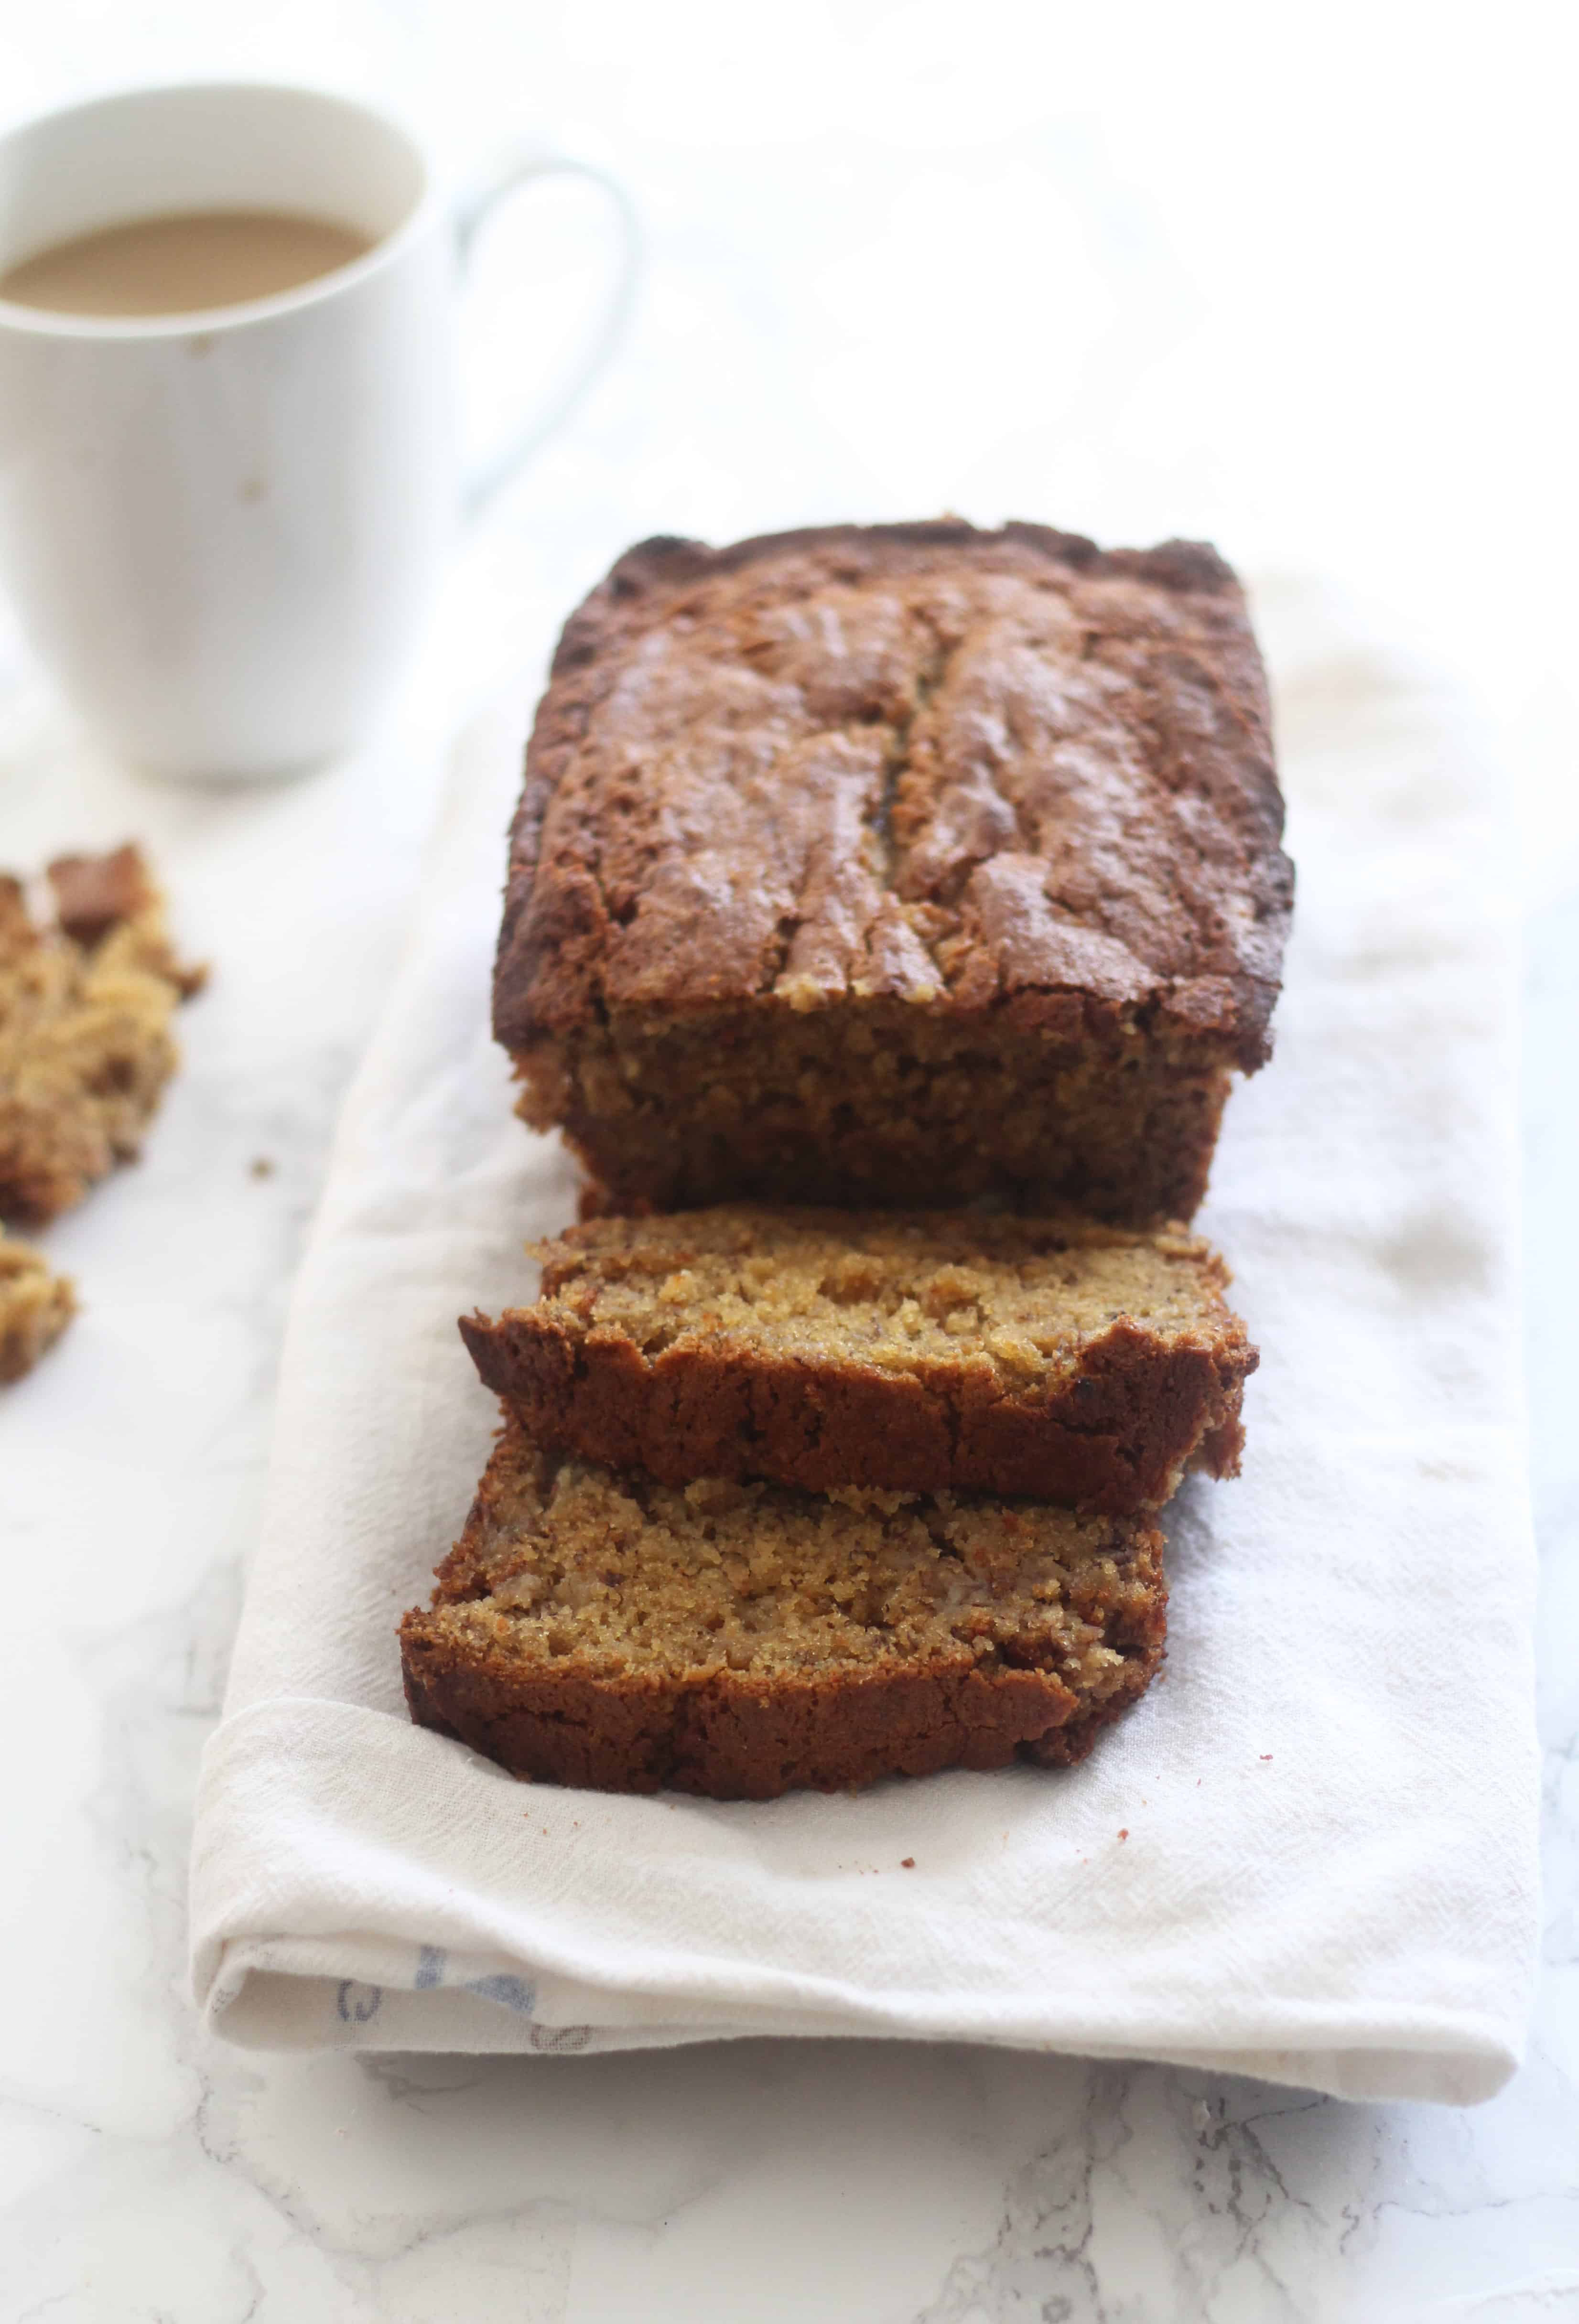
871	865
922	1351
596	1628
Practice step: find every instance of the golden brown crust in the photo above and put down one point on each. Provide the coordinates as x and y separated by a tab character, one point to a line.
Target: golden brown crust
86	1048
995	810
691	1414
594	1627
743	1343
924	761
728	1739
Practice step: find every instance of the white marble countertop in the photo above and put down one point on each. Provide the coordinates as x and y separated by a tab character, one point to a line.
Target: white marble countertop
888	273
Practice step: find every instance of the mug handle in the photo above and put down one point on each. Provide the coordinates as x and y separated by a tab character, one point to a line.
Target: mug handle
479	487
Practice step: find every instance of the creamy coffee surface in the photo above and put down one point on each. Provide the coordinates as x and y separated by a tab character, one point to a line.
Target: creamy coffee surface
181	264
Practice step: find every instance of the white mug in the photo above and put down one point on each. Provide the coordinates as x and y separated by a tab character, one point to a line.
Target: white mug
220	527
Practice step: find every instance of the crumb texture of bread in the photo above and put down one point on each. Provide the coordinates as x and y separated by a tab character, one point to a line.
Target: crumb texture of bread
599	1629
86	1003
36	1308
1055	1359
854	861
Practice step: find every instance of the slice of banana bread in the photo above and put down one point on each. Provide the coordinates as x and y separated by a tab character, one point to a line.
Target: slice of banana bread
921	1351
35	1306
599	1628
85	1043
870	860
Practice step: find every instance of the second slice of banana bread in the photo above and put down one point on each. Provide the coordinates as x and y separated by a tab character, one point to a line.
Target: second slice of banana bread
917	1353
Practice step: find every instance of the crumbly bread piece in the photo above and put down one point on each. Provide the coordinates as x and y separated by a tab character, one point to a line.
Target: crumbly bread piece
35	1306
84	1041
599	1628
862	861
922	1351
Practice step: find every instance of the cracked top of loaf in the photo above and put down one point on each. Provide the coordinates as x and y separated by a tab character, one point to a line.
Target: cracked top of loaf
917	761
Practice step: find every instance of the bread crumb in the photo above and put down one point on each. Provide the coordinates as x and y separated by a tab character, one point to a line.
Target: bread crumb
85	1046
35	1306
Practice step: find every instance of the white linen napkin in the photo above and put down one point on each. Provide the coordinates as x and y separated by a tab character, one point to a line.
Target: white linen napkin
1307	1855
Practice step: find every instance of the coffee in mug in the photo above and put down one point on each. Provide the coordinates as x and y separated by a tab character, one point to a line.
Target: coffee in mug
227	411
181	266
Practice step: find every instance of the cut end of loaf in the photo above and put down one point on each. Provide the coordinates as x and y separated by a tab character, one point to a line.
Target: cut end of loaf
867	1102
